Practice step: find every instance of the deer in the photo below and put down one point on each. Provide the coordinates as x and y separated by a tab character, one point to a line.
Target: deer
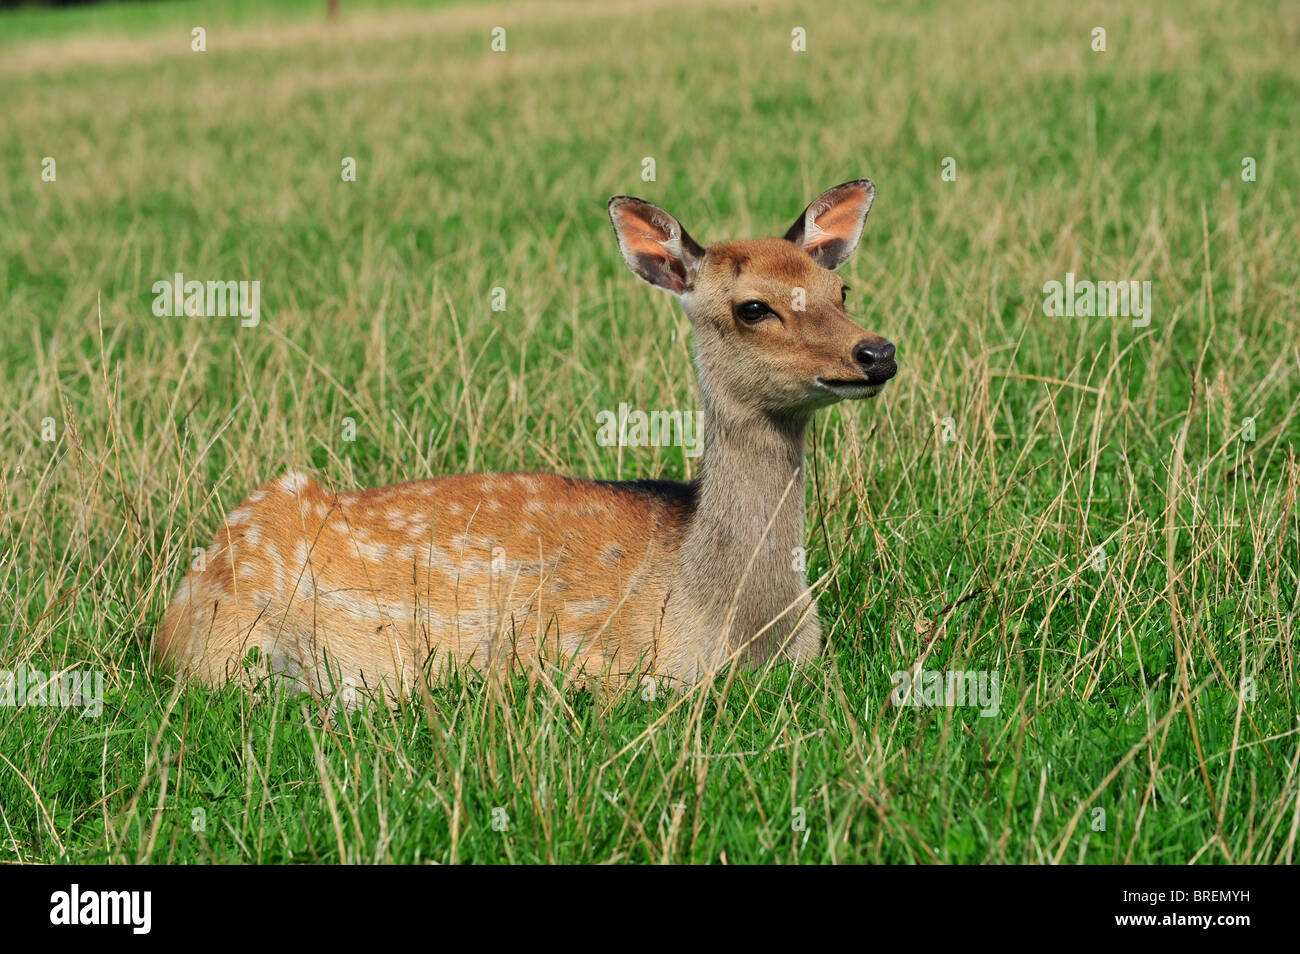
380	588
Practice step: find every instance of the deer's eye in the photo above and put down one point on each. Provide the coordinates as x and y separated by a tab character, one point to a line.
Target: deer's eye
752	311
844	294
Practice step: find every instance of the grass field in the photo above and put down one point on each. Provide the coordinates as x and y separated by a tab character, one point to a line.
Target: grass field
1108	521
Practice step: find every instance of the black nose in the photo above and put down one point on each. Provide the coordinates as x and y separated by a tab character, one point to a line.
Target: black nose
876	358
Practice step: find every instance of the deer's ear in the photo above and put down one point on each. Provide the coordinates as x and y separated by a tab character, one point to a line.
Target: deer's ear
830	227
654	244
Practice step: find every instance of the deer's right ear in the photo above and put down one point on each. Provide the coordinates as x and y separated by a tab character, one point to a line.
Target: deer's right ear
654	244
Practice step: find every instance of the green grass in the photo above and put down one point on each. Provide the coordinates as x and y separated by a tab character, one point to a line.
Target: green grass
129	18
1160	688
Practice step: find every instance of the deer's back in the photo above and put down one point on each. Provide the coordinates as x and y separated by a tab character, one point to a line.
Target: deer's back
380	584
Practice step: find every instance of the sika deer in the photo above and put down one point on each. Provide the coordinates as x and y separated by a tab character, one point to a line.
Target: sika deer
379	587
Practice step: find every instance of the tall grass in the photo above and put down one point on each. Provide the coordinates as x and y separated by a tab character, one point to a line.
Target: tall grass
1098	531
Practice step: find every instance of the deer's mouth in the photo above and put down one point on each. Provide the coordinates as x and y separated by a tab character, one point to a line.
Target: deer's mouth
856	388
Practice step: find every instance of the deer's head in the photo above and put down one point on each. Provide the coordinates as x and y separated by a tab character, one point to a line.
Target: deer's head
772	330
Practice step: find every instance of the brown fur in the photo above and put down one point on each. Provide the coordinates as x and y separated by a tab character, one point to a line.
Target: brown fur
392	582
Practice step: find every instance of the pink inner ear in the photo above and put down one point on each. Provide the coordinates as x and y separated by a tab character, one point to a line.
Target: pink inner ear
842	221
640	235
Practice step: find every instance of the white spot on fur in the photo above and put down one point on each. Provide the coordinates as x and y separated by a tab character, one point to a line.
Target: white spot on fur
294	482
277	567
370	552
360	603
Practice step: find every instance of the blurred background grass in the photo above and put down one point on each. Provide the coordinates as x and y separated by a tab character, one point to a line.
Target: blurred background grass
479	169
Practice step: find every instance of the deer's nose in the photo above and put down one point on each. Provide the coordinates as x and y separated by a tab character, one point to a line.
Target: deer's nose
876	359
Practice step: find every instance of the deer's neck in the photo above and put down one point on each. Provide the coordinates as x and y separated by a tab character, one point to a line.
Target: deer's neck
741	556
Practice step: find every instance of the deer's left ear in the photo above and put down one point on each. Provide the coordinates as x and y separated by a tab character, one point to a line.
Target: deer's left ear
830	227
